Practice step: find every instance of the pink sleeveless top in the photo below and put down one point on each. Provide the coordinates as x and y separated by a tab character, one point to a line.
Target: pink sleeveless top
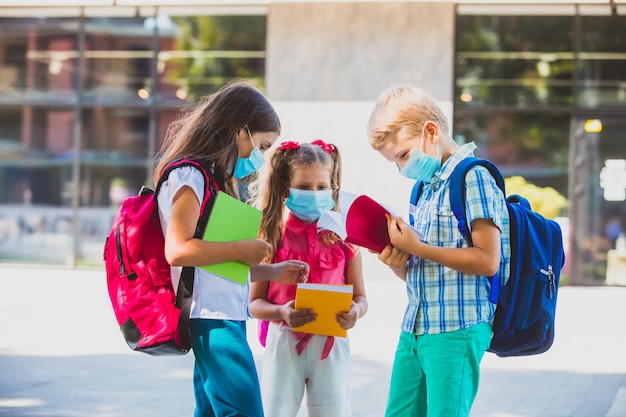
302	241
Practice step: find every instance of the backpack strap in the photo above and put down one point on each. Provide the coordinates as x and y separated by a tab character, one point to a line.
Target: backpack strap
458	199
457	189
416	192
185	284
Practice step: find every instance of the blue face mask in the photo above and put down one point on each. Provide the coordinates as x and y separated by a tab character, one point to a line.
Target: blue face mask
251	164
309	205
421	167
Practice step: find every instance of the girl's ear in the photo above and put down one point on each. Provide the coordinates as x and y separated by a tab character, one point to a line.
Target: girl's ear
242	136
244	144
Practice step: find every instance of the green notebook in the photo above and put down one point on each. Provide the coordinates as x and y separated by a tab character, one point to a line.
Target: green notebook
230	220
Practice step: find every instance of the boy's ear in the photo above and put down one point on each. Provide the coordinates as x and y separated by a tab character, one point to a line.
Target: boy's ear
431	129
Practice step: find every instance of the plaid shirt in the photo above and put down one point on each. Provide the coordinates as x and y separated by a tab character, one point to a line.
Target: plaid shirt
440	298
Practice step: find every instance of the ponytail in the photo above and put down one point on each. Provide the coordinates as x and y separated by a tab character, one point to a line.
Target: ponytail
273	190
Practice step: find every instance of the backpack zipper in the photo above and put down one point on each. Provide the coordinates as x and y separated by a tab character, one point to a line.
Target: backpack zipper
550	274
118	248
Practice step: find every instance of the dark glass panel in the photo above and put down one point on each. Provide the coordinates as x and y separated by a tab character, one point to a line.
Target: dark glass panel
39	107
166	116
114	160
38	59
118	57
532	145
602	70
115	135
603	34
35	184
518	61
34	145
108	186
206	52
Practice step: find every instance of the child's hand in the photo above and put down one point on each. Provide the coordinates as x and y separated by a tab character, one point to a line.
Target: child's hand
253	251
393	257
296	318
401	235
347	319
291	272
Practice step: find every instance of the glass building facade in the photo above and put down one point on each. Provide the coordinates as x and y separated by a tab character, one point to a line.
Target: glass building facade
85	102
545	96
84	105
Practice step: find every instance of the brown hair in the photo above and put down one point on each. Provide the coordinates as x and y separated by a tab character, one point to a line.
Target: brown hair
208	131
274	186
399	106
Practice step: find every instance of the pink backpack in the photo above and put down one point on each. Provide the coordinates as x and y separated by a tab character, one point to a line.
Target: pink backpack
153	318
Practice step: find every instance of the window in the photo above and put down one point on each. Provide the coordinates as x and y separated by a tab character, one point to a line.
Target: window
74	143
514	92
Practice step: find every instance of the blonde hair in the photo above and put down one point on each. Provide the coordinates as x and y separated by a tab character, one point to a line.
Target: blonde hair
403	106
272	187
207	132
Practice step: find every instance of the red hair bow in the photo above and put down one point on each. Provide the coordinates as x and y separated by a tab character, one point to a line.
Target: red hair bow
328	147
290	144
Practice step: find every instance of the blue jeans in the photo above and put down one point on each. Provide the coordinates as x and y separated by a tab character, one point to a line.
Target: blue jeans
225	380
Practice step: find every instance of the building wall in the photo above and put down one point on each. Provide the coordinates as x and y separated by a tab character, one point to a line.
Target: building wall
352	51
324	78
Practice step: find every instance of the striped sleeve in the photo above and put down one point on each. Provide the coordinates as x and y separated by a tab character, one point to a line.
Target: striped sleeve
484	200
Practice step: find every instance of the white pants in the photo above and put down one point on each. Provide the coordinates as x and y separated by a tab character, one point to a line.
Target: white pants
285	374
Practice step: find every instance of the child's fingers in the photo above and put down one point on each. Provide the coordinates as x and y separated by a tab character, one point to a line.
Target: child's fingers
391	222
302	271
302	312
299	317
387	251
345	320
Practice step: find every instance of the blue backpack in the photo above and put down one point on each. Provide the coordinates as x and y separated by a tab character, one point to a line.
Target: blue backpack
526	305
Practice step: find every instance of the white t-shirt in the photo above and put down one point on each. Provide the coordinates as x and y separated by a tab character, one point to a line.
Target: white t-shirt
214	297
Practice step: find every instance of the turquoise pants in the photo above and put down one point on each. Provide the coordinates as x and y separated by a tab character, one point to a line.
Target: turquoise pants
437	375
225	379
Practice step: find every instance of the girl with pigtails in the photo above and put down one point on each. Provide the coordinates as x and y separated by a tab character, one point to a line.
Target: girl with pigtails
302	181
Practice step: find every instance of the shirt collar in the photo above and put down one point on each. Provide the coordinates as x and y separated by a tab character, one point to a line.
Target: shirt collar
296	225
463	152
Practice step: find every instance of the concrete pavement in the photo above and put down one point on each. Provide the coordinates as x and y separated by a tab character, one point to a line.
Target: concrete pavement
62	355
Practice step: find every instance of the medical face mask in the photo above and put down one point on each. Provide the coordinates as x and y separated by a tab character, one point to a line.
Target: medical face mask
309	205
251	164
421	167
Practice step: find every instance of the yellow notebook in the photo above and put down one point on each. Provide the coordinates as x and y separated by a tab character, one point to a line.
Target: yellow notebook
231	220
326	301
